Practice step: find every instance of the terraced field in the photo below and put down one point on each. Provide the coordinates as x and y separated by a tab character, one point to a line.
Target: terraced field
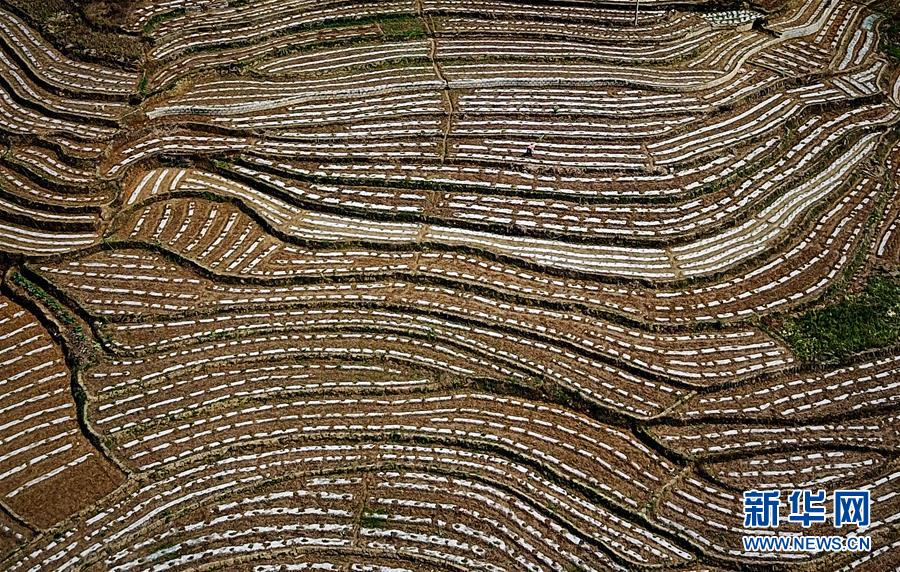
396	285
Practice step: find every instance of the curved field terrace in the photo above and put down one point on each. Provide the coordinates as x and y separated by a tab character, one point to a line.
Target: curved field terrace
463	285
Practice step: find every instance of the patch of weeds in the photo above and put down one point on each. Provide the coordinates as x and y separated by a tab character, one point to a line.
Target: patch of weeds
891	39
403	28
78	332
158	19
62	314
864	321
142	86
371	520
889	29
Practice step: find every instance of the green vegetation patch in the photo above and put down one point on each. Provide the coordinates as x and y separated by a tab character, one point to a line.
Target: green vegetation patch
891	39
52	304
890	29
372	520
143	85
83	350
158	19
402	28
864	321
